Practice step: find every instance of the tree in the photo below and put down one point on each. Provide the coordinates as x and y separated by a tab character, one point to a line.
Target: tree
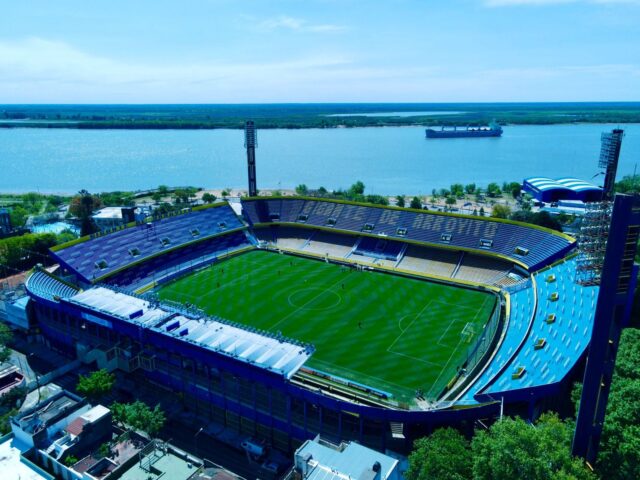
514	449
208	197
470	188
515	188
83	206
225	193
322	191
139	416
539	218
628	184
376	199
18	216
356	189
450	200
482	211
400	201
501	211
97	384
302	189
163	190
416	203
493	190
619	456
442	456
156	197
457	190
5	338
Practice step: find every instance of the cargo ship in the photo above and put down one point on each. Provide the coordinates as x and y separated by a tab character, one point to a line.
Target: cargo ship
493	130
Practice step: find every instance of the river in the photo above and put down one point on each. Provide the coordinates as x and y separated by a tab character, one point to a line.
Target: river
389	160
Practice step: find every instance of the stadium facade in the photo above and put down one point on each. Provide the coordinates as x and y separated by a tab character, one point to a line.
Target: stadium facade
101	308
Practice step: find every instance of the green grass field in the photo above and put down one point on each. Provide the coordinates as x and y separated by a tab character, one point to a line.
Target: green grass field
392	333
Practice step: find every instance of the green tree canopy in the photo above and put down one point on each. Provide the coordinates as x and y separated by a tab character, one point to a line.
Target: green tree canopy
416	203
356	189
139	416
501	211
208	197
619	456
515	450
493	190
97	384
5	338
302	189
442	456
457	190
400	201
470	188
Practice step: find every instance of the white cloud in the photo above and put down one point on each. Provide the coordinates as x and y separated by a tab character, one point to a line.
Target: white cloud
38	70
514	3
298	25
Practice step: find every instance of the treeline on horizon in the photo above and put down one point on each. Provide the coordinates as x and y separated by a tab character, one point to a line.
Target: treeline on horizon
295	116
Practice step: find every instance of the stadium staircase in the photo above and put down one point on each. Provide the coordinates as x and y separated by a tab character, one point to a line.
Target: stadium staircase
401	255
355	246
455	270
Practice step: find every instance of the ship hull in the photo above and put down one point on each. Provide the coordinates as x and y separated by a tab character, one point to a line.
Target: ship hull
462	133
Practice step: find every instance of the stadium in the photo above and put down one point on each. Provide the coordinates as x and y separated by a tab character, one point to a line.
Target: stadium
284	317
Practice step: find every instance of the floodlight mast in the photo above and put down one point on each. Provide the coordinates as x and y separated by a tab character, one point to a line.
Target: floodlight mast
250	143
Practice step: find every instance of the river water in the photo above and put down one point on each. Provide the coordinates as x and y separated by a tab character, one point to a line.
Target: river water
389	160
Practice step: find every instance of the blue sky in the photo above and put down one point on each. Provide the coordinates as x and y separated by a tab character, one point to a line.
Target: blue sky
246	51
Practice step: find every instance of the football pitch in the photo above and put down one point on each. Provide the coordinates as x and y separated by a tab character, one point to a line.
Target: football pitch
392	333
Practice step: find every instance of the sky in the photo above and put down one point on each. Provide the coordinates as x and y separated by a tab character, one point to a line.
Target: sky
292	51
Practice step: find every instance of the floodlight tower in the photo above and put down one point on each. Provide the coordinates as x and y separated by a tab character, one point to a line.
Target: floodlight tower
609	156
250	143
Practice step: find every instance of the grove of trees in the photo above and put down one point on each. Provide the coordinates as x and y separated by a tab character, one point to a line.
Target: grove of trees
513	449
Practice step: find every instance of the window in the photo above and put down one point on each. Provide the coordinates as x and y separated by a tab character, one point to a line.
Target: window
446	237
401	232
368	227
331	222
484	243
101	264
195	232
303	218
274	216
134	252
521	251
165	241
222	225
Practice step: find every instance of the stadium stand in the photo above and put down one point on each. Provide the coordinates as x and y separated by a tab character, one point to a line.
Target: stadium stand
544	337
49	287
106	254
292	238
479	269
166	266
559	334
327	243
430	261
522	309
531	246
379	248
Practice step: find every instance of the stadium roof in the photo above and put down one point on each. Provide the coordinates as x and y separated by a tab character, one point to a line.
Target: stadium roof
262	350
344	462
566	183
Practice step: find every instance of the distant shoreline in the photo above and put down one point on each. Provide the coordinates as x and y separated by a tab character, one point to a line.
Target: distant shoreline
303	116
78	125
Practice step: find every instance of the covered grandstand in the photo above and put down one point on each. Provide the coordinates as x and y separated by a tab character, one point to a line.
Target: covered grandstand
549	190
526	353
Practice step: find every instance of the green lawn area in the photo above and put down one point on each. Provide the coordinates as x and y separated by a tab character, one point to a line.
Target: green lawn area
392	333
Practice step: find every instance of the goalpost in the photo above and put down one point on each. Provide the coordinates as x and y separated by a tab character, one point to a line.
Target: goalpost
468	333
